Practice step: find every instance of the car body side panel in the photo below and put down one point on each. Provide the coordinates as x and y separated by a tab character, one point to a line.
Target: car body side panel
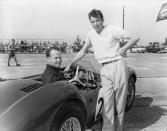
34	111
10	92
91	96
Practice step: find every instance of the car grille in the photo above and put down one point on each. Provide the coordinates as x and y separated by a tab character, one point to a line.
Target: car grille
31	88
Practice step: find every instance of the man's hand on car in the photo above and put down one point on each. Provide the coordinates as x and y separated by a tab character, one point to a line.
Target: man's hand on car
67	69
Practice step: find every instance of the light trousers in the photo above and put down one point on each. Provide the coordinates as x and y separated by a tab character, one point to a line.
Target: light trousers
114	94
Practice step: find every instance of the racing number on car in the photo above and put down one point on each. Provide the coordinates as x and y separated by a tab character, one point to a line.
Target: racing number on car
100	105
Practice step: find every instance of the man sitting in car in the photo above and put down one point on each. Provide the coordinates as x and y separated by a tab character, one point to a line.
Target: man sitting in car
53	69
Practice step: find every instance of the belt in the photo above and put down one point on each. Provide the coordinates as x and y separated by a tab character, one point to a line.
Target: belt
108	62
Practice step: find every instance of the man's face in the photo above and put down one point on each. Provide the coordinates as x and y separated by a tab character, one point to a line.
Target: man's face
55	58
97	23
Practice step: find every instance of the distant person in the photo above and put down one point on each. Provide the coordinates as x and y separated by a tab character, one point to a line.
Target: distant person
12	49
53	69
22	46
105	41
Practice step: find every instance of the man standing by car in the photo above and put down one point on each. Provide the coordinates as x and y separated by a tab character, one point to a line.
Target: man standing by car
105	41
52	72
12	48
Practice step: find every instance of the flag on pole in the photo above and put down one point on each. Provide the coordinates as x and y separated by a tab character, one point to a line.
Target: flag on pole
162	13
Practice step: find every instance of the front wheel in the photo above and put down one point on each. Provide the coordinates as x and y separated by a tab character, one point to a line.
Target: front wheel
70	117
131	93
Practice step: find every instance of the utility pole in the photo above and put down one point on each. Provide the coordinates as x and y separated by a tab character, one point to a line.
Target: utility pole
123	21
123	25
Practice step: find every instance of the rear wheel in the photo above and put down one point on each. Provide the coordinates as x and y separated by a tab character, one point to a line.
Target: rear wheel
70	117
131	93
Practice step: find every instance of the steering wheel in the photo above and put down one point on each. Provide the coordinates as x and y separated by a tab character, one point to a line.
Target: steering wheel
79	77
83	76
70	74
76	78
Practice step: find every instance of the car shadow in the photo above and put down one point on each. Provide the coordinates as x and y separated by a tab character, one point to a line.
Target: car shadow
142	114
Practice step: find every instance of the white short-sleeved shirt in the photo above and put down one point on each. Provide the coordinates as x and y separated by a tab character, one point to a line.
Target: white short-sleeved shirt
106	44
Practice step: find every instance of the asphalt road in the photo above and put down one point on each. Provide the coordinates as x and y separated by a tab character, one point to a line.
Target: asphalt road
149	112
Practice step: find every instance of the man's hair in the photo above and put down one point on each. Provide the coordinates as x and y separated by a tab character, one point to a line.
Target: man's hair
95	13
49	50
13	40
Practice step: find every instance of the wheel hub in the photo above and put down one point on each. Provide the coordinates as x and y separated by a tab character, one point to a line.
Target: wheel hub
71	124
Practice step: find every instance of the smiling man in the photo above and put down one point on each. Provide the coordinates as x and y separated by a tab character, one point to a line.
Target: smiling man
105	40
53	67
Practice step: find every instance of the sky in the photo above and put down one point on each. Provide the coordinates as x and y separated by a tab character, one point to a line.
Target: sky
66	19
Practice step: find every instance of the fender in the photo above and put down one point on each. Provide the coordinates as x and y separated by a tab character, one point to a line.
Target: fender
35	109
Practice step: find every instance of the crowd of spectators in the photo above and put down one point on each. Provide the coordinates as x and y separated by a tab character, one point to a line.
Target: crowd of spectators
25	46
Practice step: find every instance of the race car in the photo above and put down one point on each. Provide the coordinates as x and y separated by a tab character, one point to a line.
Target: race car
28	105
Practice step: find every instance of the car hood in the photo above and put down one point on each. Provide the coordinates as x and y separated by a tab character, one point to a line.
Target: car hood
13	91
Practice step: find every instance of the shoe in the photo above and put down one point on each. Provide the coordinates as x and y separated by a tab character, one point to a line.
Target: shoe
18	65
8	65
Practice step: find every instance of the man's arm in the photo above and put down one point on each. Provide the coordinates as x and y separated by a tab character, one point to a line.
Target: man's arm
121	34
9	46
79	56
132	41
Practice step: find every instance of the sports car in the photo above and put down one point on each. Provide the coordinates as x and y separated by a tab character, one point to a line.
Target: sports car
27	104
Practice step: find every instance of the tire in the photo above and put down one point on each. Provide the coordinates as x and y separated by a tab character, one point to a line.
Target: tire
69	116
131	93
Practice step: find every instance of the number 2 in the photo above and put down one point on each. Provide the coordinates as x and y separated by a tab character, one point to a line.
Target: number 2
101	102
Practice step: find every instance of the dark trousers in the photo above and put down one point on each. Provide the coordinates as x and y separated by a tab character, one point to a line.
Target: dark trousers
12	55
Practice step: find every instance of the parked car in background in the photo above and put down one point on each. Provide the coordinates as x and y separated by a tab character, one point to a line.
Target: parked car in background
138	49
162	51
